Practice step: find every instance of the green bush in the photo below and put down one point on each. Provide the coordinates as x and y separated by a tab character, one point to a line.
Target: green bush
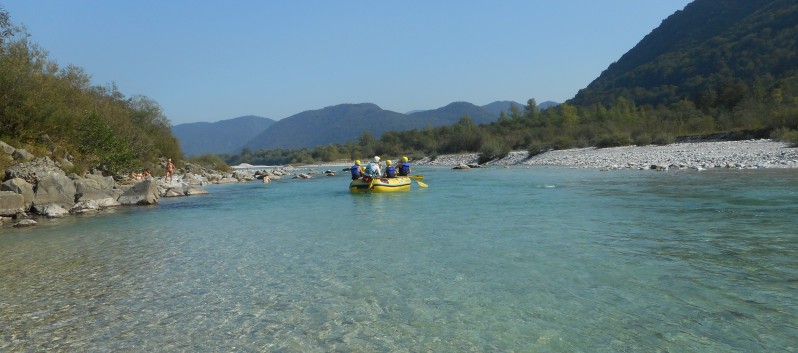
663	138
786	135
210	161
536	148
614	140
643	139
492	149
562	142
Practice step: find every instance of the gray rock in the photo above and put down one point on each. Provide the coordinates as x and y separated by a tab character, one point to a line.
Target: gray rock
93	189
85	206
52	210
7	149
25	223
55	189
11	203
144	192
31	171
105	182
65	164
19	186
173	192
22	155
196	191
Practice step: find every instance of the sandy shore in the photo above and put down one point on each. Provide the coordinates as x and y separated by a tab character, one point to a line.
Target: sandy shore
748	154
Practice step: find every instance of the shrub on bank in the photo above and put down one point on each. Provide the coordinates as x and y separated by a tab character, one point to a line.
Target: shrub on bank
787	135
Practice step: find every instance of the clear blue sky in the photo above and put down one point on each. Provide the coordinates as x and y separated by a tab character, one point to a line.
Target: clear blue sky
216	60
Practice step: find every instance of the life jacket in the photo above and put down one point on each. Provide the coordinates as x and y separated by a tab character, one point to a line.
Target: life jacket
371	170
355	172
390	171
404	169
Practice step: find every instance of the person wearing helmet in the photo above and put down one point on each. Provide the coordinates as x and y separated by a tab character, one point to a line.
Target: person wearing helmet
357	170
373	169
404	167
390	171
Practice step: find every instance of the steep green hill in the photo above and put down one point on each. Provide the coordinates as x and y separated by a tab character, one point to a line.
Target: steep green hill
714	52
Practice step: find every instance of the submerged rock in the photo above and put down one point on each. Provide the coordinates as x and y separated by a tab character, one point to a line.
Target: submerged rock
25	223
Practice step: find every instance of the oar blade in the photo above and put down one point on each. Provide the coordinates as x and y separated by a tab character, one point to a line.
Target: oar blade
421	184
417	177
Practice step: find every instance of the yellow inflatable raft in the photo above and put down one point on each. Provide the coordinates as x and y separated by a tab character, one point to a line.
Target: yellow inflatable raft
401	183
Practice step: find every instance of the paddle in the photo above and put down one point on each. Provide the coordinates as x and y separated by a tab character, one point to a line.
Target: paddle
417	177
421	184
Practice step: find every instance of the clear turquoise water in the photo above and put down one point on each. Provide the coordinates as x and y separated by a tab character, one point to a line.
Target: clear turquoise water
487	260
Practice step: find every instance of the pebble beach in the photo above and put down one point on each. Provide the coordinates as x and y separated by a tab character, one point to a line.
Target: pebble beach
747	154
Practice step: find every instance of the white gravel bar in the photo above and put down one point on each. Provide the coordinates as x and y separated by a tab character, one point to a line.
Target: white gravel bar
748	154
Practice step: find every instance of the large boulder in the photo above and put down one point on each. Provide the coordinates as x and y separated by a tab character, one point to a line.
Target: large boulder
144	192
92	189
104	182
11	203
55	189
33	170
19	186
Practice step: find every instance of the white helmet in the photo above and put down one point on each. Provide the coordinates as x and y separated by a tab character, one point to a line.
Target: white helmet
377	159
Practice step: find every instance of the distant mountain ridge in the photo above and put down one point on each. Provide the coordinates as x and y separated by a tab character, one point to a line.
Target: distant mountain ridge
225	136
345	122
335	124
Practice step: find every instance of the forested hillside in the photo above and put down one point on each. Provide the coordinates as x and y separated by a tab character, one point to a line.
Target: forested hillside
54	111
713	53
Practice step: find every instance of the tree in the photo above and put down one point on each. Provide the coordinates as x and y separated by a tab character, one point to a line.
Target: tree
7	29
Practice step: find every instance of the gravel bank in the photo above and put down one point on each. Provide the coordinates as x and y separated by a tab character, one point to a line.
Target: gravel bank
748	154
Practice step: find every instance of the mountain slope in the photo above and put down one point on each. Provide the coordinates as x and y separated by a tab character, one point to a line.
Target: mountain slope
223	136
346	122
452	113
711	52
333	124
497	107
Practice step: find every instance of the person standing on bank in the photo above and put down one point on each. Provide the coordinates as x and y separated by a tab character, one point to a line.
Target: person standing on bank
170	169
404	167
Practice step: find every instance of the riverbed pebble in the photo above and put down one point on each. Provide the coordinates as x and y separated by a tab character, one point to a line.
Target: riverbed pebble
747	154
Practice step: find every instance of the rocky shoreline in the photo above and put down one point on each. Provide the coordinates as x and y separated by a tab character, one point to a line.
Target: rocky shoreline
38	187
747	154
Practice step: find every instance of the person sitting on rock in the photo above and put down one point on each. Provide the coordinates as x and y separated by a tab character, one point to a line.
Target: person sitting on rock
357	170
390	171
404	167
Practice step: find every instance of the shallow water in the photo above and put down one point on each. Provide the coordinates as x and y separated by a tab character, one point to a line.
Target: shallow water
485	260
